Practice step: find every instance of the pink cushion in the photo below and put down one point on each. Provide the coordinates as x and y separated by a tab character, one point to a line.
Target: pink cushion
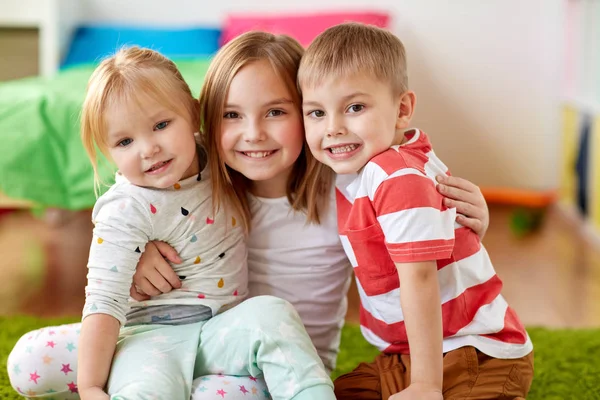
302	27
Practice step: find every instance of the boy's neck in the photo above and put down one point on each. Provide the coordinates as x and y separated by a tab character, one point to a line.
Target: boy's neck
273	188
400	137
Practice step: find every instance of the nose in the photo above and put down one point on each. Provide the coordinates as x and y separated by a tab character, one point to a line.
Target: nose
149	148
335	127
254	133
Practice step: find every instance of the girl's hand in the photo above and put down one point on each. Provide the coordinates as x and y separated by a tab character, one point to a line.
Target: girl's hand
466	197
417	391
153	274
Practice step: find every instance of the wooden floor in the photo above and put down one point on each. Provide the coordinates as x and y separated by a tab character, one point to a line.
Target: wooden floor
551	278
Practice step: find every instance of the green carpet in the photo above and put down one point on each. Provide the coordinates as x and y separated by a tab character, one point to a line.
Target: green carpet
567	362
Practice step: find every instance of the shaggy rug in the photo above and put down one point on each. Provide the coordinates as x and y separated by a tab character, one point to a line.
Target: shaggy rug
567	362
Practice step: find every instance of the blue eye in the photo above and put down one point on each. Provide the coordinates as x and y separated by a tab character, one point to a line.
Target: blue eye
125	142
161	125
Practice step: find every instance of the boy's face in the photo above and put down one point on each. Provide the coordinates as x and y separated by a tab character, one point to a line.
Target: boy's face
151	145
348	121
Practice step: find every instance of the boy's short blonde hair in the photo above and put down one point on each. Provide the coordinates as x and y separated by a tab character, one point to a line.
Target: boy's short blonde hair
351	48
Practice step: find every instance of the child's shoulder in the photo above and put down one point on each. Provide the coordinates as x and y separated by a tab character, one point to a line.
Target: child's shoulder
124	197
389	161
125	189
412	154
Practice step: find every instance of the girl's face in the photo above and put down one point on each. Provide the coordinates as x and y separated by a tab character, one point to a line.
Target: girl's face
261	133
151	145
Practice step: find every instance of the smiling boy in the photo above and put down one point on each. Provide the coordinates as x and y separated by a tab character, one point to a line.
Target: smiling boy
430	298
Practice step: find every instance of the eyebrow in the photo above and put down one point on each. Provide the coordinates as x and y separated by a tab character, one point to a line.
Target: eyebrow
116	135
276	102
162	114
344	99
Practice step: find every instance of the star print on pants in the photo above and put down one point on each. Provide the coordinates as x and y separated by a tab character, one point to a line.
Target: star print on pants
72	387
66	368
34	377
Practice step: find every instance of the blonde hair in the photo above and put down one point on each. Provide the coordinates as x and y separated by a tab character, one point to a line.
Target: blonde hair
310	181
351	48
131	74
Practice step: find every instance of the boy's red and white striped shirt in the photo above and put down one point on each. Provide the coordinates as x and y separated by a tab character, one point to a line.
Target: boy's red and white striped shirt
391	212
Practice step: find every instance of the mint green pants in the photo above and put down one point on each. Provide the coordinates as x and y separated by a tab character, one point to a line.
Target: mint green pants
263	336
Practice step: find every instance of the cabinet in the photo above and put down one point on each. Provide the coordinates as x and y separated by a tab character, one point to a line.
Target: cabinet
38	32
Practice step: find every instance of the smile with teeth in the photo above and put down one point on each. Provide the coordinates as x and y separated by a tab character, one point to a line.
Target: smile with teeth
343	149
158	165
258	154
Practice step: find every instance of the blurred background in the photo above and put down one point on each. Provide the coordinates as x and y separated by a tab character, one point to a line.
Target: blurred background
508	90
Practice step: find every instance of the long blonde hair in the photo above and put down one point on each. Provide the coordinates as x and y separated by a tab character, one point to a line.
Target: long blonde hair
131	74
310	181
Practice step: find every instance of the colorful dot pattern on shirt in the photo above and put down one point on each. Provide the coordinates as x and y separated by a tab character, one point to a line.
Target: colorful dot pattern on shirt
185	212
176	219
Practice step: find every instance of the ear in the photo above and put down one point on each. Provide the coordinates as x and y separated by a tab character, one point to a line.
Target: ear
406	108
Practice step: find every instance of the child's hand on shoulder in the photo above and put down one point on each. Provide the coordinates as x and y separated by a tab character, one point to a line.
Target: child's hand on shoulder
418	391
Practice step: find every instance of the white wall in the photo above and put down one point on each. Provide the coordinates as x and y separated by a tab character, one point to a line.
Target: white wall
68	14
486	73
487	80
58	25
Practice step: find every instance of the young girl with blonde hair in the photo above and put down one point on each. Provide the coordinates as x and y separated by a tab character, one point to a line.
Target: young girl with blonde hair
260	164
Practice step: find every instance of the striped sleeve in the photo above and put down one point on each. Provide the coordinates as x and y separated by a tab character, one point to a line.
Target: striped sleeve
416	224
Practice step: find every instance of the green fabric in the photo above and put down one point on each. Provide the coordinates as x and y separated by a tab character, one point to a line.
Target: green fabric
41	155
566	361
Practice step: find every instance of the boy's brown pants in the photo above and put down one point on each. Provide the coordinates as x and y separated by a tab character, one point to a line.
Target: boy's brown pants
468	374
